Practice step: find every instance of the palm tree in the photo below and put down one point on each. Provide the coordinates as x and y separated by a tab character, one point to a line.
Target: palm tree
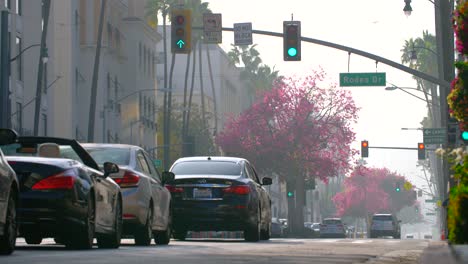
424	49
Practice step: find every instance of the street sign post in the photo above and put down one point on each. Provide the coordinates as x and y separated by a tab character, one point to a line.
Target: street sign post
243	34
212	28
363	79
434	135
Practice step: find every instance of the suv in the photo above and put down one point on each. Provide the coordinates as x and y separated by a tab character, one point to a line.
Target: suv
385	225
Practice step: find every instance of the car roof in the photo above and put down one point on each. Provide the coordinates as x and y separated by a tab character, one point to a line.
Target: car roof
215	158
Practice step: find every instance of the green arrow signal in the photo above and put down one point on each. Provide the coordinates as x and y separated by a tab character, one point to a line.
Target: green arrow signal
180	43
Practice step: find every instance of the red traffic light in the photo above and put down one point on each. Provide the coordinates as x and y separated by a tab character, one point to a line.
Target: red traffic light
421	146
364	144
180	20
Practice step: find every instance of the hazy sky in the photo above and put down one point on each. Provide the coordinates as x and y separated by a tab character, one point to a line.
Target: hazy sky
376	26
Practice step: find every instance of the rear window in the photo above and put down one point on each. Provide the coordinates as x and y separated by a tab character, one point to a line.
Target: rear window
382	218
119	156
332	222
207	168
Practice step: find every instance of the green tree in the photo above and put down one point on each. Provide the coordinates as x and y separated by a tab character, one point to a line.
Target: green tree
424	49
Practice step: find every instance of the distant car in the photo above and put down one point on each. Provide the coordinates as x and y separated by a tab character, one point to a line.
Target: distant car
332	227
427	236
64	194
385	225
146	202
220	194
9	190
409	236
277	228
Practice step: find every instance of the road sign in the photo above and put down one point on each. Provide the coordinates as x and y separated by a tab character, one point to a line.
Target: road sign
407	185
212	28
243	34
434	135
363	79
157	162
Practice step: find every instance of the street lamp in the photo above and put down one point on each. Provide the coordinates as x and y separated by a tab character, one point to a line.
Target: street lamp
407	8
392	88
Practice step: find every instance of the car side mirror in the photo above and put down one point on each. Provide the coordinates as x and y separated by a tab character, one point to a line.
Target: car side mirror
167	176
267	181
110	168
7	136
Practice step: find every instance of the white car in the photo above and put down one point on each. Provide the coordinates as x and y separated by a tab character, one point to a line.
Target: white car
332	227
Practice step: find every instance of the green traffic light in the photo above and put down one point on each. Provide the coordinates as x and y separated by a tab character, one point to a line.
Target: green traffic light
292	52
464	135
180	43
397	189
290	194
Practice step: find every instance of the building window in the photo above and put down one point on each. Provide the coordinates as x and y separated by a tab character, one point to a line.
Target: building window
44	124
19	7
19	60
139	52
19	117
8	4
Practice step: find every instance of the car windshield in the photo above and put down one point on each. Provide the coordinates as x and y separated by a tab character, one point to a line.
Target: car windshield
382	218
332	222
119	156
207	167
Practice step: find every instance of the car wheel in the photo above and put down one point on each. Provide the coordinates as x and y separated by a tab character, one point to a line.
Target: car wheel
33	239
265	234
144	234
8	239
164	237
83	237
252	232
113	240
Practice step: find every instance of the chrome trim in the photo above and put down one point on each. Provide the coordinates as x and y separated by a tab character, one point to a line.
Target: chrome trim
207	185
202	199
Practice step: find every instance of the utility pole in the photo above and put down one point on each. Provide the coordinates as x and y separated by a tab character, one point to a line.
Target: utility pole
40	71
92	109
445	58
4	70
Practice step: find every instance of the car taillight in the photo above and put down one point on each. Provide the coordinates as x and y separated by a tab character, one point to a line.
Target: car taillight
60	181
174	189
129	179
239	189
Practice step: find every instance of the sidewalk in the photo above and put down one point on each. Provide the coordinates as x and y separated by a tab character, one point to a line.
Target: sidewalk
441	252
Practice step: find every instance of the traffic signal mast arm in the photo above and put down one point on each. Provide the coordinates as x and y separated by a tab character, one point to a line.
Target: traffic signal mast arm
373	57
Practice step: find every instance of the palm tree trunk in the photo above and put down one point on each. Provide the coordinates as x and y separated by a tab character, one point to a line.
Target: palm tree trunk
202	92
192	85
215	108
167	136
184	112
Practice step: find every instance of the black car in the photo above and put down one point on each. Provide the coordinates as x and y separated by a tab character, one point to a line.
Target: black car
63	194
8	197
219	194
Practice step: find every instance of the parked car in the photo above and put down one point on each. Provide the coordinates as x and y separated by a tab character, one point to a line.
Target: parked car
277	228
146	202
332	227
385	225
63	194
220	194
9	190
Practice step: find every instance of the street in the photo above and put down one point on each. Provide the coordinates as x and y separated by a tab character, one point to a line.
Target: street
230	251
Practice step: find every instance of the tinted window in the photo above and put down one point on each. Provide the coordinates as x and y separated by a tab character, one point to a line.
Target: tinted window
119	156
332	222
207	167
143	165
382	218
154	172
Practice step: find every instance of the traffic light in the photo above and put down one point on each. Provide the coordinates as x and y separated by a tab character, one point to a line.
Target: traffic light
364	149
464	136
397	187
292	40
290	194
421	151
181	30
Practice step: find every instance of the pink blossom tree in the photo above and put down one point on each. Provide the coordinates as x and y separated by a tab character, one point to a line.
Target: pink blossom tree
299	129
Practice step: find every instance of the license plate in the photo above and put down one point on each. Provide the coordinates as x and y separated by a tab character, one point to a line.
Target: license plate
201	193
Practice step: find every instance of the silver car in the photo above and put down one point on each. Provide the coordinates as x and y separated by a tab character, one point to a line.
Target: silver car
146	201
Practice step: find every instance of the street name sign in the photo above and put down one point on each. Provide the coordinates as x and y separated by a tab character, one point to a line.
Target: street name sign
363	79
243	34
212	28
434	135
